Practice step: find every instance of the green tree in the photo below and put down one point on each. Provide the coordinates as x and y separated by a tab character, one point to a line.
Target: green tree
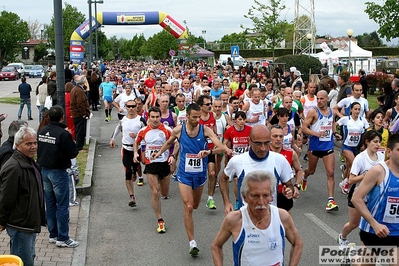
159	45
137	42
386	16
13	31
71	19
104	46
268	29
40	51
369	40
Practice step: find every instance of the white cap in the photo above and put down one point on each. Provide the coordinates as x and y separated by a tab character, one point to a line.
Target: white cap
292	69
297	73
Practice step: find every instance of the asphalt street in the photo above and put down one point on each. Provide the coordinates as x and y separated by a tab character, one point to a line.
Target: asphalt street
120	235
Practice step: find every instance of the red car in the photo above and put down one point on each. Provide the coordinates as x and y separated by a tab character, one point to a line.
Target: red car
9	73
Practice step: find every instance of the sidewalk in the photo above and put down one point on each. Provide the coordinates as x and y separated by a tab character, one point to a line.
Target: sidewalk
49	254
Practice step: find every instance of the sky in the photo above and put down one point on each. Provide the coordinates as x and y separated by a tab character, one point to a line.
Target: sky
215	17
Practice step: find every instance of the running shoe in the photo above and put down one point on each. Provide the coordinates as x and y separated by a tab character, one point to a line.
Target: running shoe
305	158
161	227
344	185
211	204
70	243
342	158
73	203
217	184
236	206
106	119
52	240
304	185
140	182
165	197
193	249
109	118
331	206
342	167
132	202
343	243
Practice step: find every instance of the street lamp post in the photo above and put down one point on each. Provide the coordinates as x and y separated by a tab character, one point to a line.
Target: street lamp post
95	14
90	37
26	54
309	36
349	32
204	33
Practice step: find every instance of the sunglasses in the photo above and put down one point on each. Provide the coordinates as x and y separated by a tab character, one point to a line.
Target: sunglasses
131	106
206	91
207	104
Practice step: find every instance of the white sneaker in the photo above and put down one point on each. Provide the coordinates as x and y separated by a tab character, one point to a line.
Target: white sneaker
74	203
344	185
193	248
343	243
52	240
70	243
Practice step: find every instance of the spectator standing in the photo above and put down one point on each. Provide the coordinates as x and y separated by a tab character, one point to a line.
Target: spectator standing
80	110
363	81
52	87
22	186
24	95
56	148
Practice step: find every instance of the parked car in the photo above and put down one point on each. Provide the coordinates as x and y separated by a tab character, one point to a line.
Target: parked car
36	71
9	73
20	68
28	69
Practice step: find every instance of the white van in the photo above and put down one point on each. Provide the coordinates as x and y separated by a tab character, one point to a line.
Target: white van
20	68
238	61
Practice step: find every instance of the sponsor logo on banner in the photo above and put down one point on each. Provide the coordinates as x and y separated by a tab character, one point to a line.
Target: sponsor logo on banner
130	19
77	55
168	22
77	43
76	48
84	29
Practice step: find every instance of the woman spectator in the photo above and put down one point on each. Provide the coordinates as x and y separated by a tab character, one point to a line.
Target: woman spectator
41	95
68	117
94	83
389	97
333	94
52	87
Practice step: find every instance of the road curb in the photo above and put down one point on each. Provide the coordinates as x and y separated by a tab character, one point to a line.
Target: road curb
85	188
79	254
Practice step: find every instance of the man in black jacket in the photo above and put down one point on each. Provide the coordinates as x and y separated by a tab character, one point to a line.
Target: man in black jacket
56	148
22	197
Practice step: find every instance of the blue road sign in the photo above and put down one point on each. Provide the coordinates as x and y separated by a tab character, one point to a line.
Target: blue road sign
235	51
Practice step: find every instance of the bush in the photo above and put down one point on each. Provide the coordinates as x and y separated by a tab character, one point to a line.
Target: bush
376	79
303	63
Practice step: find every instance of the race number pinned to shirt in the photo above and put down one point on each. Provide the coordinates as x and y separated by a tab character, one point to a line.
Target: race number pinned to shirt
391	214
193	163
154	149
327	128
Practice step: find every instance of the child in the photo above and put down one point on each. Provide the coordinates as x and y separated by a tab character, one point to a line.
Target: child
73	172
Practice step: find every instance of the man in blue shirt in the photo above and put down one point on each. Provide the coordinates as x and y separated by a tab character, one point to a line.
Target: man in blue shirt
24	95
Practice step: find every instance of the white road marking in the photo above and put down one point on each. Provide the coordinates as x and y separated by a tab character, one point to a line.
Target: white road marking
331	232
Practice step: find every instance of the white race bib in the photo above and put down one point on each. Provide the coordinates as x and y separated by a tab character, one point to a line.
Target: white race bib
193	164
391	215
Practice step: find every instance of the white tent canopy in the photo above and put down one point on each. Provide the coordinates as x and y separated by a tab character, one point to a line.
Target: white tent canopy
356	51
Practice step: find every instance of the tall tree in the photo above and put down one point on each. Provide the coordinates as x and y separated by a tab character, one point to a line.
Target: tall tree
40	51
369	40
13	31
104	46
386	16
267	28
71	19
159	45
35	29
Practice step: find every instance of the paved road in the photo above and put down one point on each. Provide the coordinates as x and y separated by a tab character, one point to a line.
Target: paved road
120	235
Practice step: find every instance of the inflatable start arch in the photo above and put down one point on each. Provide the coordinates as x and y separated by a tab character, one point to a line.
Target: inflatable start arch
76	49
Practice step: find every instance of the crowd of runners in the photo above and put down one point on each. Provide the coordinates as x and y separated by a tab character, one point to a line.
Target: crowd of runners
221	127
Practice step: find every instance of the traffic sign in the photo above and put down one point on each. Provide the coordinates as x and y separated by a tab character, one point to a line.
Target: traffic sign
235	51
172	52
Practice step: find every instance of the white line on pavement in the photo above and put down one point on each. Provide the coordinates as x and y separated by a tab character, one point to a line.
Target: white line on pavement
331	232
